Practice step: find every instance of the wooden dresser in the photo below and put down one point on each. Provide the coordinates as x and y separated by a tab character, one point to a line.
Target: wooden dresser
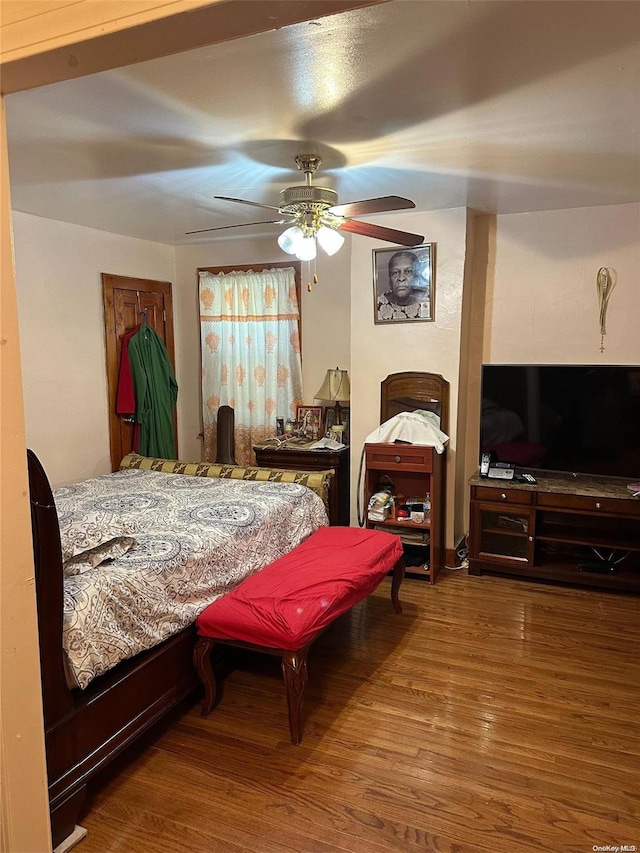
270	456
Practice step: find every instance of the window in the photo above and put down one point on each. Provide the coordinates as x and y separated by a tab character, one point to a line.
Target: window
250	349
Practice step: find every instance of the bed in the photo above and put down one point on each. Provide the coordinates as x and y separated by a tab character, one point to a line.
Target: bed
87	726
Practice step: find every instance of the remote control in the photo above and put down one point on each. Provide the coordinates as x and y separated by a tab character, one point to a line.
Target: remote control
529	478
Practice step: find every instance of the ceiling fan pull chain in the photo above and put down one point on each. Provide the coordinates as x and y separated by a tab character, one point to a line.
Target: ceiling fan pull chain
314	278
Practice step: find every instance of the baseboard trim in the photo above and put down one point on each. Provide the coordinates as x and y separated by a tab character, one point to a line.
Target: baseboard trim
71	840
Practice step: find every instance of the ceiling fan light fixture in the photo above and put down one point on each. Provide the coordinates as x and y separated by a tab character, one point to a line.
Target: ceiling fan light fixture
316	213
330	240
290	239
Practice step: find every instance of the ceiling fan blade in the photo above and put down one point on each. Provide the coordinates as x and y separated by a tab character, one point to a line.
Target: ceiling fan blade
241	225
368	229
372	205
244	201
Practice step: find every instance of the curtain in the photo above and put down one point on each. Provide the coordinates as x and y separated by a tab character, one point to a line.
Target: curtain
250	344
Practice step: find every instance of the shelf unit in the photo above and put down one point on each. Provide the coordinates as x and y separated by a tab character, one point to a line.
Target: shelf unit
414	470
581	530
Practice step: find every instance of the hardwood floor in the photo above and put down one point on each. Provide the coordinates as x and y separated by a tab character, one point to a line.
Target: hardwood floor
492	715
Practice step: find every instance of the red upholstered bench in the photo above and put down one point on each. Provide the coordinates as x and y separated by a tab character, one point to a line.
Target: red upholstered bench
282	609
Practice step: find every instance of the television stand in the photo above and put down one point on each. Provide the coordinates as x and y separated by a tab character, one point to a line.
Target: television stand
580	530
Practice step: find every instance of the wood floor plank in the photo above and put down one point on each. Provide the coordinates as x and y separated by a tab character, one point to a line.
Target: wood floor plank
286	811
491	716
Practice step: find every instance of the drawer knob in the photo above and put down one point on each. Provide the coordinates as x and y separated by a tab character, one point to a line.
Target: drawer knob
598	505
397	459
503	496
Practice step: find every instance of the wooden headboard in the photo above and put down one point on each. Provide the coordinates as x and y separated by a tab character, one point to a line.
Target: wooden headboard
406	392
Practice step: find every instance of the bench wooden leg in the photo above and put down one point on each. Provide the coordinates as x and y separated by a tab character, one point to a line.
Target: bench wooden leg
202	663
398	577
294	673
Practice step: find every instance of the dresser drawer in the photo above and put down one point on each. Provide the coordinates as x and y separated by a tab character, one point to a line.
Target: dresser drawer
588	503
418	458
502	495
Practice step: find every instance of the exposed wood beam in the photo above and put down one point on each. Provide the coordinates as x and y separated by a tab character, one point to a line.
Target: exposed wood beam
212	23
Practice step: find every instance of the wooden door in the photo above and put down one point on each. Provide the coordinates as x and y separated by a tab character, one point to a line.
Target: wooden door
128	302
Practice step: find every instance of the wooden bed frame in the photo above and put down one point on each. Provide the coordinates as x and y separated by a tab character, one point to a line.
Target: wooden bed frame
86	729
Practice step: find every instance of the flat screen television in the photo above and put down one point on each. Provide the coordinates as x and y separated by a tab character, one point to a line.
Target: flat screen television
569	418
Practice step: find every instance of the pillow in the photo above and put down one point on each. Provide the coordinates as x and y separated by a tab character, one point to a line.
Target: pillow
317	481
94	557
83	531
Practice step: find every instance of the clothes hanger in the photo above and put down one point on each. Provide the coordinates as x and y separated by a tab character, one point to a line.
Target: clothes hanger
141	312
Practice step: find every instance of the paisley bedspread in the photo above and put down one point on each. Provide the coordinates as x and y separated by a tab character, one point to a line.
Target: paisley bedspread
194	539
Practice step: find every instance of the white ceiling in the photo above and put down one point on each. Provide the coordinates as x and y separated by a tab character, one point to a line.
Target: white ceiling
499	106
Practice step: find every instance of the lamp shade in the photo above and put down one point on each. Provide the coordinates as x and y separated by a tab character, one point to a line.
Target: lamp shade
290	239
329	239
306	249
335	387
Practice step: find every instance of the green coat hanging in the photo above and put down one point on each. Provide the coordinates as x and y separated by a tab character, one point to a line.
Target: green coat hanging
156	392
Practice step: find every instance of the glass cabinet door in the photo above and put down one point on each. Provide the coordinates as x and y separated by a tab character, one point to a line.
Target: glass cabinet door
506	534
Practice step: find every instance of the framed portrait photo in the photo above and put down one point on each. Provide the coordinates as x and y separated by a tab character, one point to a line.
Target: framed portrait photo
310	420
404	284
341	434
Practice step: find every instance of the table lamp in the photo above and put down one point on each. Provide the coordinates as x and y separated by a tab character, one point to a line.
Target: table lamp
335	389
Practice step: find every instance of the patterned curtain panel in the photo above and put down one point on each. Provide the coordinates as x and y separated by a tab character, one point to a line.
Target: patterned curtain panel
250	343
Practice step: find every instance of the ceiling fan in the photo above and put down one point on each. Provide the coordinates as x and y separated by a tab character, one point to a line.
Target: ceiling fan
313	213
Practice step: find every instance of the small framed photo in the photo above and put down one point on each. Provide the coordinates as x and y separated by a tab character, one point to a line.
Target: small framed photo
310	420
330	424
404	284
